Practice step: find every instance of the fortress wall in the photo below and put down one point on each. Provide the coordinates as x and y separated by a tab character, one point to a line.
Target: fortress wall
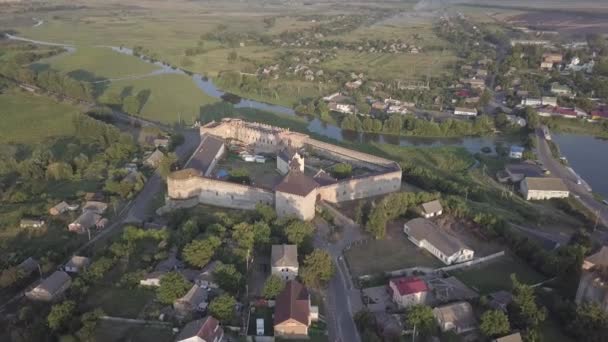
219	193
356	188
350	156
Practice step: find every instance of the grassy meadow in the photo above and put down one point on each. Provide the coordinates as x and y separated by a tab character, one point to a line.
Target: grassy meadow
31	119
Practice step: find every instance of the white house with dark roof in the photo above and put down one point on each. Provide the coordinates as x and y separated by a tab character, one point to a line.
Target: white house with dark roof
431	209
457	317
425	234
50	288
77	264
543	188
284	261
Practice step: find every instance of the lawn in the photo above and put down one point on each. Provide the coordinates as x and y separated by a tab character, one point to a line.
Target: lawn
118	302
496	274
31	119
172	97
389	254
97	62
112	331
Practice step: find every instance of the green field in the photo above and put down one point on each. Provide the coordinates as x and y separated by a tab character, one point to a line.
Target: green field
31	119
171	96
496	274
112	331
392	66
101	62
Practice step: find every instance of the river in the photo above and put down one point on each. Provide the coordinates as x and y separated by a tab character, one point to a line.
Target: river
472	144
588	156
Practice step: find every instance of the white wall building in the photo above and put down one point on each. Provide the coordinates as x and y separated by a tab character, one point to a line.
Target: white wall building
425	234
543	188
284	261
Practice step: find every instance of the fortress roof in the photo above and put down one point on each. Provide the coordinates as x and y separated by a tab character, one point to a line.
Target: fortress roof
184	174
204	156
296	183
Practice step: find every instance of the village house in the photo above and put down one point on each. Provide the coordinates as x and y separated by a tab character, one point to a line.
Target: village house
600	113
288	159
431	209
543	188
546	66
408	291
293	313
195	300
352	85
516	120
203	278
154	159
593	284
462	111
84	222
553	57
516	172
543	101
50	288
207	329
425	234
161	142
500	300
568	113
31	223
476	83
457	317
343	108
95	206
284	261
59	209
560	90
509	338
152	279
395	109
516	152
28	266
76	264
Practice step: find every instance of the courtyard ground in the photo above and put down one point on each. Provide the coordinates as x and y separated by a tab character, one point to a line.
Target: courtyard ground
264	175
392	253
112	331
496	274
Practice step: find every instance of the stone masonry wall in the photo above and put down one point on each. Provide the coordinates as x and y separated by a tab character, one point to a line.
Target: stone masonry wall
356	188
219	193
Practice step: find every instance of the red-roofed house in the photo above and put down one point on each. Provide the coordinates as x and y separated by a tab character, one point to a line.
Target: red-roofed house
207	329
293	313
408	291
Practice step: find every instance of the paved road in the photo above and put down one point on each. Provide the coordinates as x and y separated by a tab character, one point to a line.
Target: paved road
558	170
342	298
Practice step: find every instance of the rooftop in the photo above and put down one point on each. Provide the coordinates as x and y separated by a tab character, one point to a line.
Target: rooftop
423	229
297	183
292	303
546	184
460	314
284	256
78	262
527	169
207	329
409	285
53	283
203	157
432	207
185	174
510	338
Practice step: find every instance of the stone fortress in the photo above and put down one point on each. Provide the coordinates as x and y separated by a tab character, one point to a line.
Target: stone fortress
297	193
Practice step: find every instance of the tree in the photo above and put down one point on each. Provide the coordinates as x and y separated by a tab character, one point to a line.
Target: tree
524	313
494	323
590	323
228	277
199	252
222	308
273	286
265	213
298	231
342	170
232	56
261	234
131	104
60	314
166	164
172	286
420	317
485	98
244	236
318	269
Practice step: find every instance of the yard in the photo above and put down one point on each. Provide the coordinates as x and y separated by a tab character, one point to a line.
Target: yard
496	274
111	331
118	302
390	254
31	119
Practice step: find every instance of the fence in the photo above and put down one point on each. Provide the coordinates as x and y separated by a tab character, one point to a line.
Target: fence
413	270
